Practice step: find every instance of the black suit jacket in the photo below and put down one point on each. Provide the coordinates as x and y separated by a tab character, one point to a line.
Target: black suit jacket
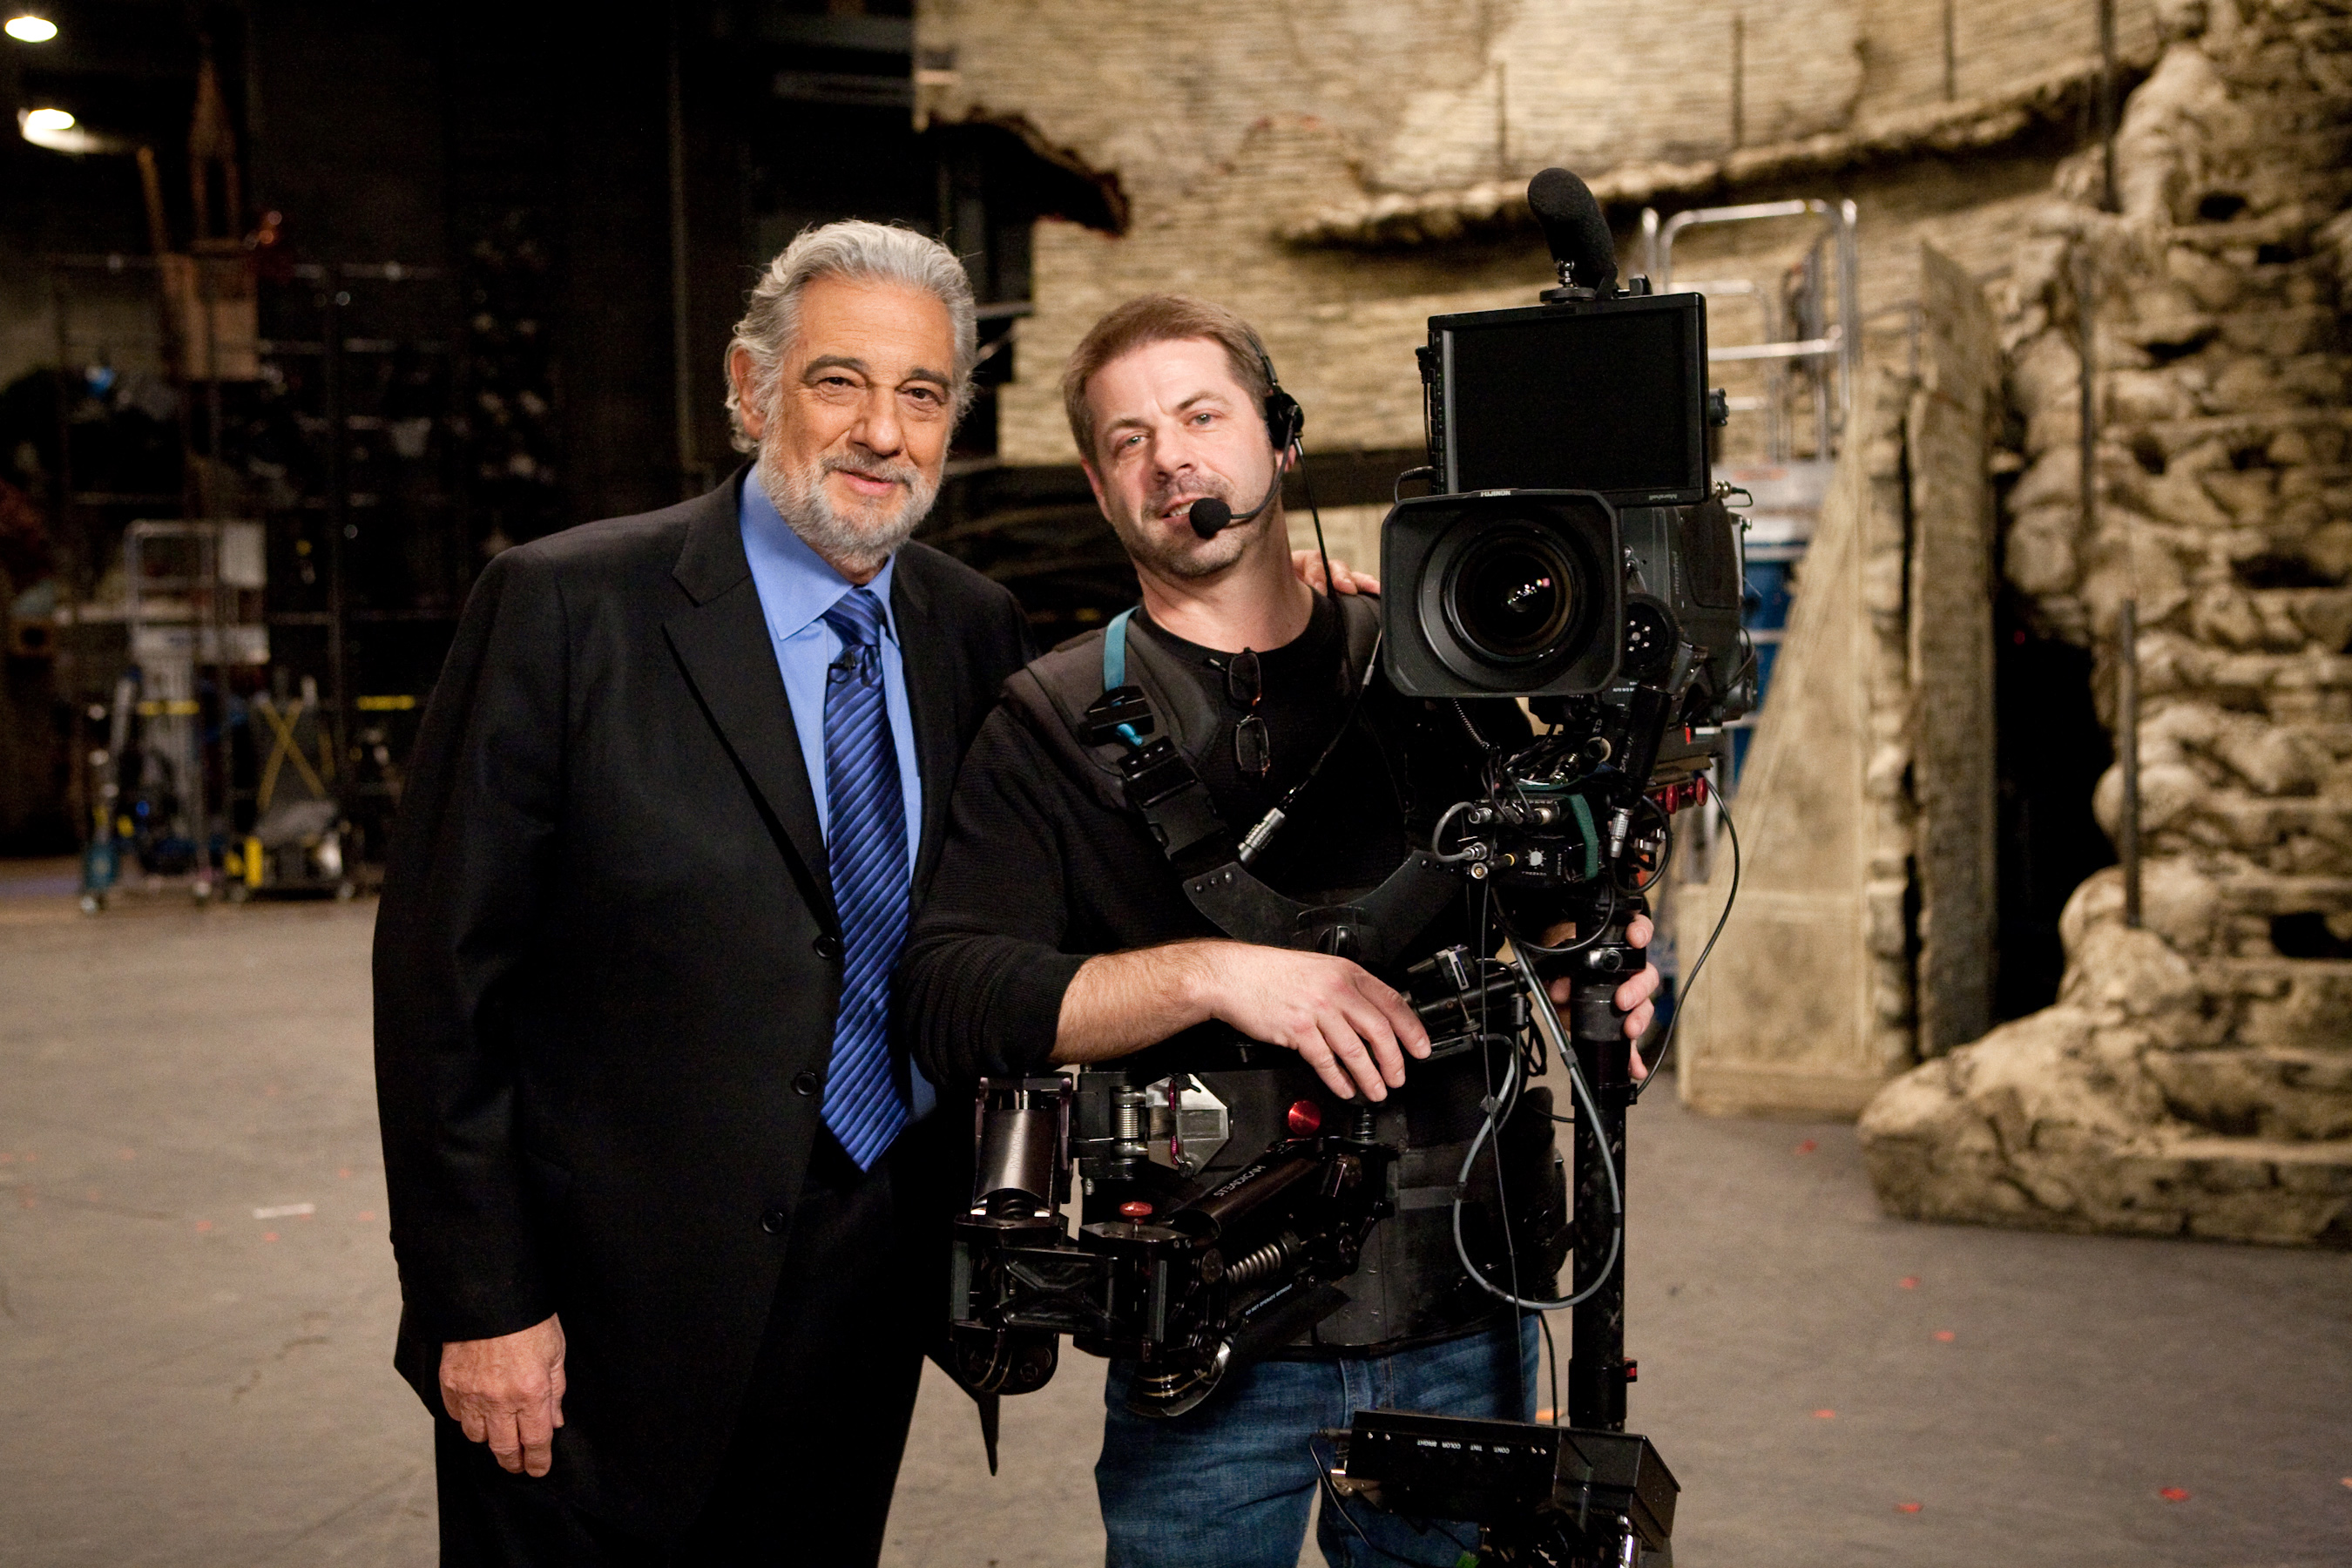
607	954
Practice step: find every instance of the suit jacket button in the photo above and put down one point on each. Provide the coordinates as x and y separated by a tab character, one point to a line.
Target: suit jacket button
829	946
805	1084
774	1221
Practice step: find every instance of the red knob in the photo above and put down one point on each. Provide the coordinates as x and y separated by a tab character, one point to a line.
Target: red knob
1136	1208
1305	1119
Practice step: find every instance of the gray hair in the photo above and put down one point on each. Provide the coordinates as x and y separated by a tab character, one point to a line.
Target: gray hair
866	253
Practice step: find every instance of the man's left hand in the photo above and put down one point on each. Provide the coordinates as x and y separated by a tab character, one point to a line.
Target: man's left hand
1309	565
1634	998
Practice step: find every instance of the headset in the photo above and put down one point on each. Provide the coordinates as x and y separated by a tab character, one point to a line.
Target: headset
1284	418
1284	421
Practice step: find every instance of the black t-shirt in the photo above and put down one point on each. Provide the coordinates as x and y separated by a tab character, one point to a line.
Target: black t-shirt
1347	831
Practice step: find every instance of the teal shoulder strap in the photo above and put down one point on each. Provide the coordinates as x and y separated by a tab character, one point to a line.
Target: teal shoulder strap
1115	666
1114	651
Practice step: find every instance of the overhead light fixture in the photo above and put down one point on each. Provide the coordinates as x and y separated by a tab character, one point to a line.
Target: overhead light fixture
28	28
57	130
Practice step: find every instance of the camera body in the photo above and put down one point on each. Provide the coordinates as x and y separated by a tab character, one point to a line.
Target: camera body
1575	543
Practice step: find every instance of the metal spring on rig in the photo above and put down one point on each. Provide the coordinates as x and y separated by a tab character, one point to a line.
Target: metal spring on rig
1264	1260
1127	1114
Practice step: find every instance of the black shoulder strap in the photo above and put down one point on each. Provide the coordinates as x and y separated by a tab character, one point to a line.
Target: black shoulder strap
1135	761
1104	695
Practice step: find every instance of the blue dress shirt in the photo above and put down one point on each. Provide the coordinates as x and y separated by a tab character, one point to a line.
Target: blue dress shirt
797	587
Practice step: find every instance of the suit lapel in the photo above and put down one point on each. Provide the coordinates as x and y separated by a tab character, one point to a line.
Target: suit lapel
722	643
931	678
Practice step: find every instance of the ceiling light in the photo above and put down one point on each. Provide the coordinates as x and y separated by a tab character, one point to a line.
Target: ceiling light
28	28
56	129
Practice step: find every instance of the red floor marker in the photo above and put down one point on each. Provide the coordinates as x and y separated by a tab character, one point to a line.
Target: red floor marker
1824	1415
269	1235
204	1225
1906	1508
130	1153
2174	1494
345	1173
1807	1147
367	1216
1908	1282
1945	1335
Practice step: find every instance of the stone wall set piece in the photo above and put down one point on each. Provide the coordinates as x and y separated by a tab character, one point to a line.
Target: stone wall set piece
1231	132
2195	1076
1864	927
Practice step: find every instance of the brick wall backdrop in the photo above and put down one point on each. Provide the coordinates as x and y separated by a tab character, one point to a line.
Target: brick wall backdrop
1245	117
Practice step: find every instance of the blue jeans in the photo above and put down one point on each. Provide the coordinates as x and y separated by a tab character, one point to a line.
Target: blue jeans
1229	1485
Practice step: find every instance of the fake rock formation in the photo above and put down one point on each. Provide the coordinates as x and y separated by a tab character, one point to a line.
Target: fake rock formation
2195	1076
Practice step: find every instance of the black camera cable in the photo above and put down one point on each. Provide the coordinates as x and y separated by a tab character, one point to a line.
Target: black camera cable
1487	922
1683	991
1338	1505
1253	843
1556	1037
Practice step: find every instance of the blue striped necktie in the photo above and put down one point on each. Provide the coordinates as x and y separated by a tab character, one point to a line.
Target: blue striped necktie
865	850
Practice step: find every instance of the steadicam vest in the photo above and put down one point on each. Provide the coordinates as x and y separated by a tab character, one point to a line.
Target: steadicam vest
1138	723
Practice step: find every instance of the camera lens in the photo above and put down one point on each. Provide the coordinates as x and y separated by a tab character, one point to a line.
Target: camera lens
1514	594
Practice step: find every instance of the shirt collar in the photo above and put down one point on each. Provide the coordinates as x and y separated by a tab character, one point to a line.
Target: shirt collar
797	584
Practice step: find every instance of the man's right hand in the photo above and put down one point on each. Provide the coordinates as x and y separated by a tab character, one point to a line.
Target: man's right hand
1353	1030
508	1392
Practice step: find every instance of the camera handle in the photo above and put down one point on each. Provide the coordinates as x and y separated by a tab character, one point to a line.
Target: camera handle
1598	1371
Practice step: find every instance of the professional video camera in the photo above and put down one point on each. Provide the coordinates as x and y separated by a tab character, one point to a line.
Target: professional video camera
1575	553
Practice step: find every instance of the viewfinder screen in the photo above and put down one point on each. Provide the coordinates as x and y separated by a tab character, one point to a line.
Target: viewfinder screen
1607	401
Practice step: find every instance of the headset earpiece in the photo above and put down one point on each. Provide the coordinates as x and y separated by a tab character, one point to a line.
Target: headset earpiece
1284	418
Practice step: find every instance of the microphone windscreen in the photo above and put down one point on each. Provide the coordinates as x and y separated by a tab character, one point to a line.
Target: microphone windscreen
1573	226
1210	516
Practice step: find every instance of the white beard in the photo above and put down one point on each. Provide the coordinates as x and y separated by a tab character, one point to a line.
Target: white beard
858	543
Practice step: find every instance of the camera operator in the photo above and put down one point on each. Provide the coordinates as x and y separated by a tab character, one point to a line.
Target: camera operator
1059	932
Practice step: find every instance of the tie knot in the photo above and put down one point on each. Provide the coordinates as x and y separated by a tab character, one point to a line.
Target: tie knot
856	619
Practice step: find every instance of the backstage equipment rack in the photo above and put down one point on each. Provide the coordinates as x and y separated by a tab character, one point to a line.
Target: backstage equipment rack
317	477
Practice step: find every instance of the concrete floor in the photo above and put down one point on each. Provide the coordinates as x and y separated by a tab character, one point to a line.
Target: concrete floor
182	1382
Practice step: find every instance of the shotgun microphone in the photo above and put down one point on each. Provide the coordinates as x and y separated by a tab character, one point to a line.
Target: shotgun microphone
1574	231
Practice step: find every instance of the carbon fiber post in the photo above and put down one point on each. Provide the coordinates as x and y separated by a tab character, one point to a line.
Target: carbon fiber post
1596	1368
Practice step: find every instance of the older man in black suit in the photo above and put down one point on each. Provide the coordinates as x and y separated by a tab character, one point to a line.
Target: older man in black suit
662	1189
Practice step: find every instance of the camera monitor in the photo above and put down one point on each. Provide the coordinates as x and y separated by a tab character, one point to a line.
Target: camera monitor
1603	395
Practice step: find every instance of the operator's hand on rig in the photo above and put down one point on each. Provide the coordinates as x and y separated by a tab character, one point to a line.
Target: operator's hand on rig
1351	1028
507	1392
1635	998
1345	579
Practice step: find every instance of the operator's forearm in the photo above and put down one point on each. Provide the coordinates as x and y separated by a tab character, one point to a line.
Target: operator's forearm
1121	1001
